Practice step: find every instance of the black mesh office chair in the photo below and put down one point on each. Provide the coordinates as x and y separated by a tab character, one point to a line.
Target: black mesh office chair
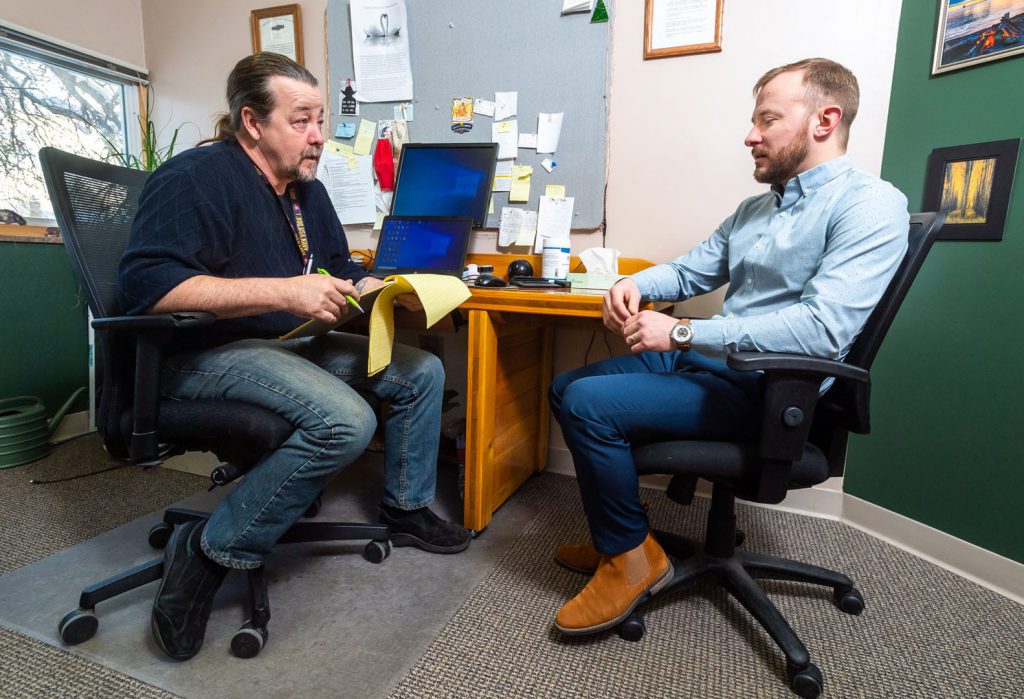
802	443
94	204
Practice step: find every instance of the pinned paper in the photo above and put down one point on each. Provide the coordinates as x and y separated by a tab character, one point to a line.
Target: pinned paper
548	164
490	206
338	148
554	190
506	135
505	105
346	129
503	176
516	225
554	219
527	140
549	128
484	107
520	191
364	139
378	222
347	99
403	111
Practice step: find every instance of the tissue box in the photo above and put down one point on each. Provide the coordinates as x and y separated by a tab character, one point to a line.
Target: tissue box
592	280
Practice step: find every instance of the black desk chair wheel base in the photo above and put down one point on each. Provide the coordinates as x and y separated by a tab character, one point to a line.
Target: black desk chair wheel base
802	442
95	204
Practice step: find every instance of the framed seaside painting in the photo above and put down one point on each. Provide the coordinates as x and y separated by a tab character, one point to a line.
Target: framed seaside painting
977	31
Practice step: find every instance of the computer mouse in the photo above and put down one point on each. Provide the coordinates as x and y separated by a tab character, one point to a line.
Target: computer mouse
491	280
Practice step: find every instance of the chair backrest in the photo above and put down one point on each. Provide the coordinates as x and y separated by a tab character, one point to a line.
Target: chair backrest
94	204
845	407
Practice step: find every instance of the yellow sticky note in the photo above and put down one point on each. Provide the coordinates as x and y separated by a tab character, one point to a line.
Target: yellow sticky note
364	138
378	222
490	207
555	190
520	191
439	294
338	148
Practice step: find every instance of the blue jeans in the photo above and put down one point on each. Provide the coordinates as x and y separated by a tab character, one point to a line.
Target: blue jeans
607	408
320	386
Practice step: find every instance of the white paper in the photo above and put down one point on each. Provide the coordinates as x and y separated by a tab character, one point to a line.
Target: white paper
527	140
682	23
380	50
549	128
554	219
548	164
349	182
516	225
505	105
503	176
506	135
483	107
570	6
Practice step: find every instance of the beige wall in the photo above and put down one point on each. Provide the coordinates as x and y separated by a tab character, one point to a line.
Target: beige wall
112	28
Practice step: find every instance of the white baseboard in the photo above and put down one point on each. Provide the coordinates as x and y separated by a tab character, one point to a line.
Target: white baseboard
73	425
988	569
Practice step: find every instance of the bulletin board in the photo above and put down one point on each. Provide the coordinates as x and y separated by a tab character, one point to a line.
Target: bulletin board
474	48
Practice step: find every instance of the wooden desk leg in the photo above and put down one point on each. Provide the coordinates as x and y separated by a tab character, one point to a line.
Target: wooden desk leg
482	363
544	383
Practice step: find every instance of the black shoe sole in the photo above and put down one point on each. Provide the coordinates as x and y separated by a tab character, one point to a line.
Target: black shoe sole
410	540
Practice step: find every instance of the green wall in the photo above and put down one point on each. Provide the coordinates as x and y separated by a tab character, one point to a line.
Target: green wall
44	350
947	446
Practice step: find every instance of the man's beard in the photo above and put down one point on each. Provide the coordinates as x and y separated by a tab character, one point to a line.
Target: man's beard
305	170
782	167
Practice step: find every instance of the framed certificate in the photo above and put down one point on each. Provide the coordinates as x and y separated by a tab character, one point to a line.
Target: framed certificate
682	27
278	30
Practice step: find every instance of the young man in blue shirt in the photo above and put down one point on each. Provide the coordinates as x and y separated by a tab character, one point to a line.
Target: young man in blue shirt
234	228
805	263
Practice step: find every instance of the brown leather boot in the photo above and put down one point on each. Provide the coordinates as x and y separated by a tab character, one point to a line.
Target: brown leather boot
580	558
621	583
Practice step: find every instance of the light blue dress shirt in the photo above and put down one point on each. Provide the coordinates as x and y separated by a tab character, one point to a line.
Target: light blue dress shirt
805	266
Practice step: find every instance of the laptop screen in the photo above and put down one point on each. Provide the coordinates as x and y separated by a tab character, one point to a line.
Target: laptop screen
427	244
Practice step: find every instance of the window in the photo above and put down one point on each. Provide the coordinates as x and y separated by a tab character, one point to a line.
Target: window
54	96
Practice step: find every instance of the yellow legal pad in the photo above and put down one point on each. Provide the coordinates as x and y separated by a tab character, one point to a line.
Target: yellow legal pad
439	294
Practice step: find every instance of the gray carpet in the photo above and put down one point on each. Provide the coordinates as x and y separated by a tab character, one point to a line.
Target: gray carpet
925	633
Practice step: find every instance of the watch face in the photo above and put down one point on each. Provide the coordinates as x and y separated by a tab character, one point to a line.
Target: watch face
682	333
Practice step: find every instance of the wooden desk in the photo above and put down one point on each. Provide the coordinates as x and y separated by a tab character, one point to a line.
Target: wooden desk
511	333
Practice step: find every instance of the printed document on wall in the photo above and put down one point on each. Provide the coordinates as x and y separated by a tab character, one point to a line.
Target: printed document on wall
380	50
349	182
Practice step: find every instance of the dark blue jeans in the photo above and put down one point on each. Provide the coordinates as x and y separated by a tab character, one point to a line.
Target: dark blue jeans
607	408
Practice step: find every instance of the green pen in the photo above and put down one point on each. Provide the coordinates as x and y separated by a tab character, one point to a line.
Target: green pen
352	301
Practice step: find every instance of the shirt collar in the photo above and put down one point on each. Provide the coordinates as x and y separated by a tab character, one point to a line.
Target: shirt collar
806	182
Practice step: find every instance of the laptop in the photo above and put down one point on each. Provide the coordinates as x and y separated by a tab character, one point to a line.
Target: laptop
422	245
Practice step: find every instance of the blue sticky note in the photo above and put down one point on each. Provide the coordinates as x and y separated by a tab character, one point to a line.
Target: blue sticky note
345	130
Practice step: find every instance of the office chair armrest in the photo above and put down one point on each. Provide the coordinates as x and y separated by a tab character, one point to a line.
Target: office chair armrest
151	333
161	321
796	364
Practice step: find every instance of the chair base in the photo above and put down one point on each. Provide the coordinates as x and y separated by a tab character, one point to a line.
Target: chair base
720	563
81	624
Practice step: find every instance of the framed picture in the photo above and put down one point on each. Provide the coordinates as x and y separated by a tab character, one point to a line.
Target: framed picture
682	27
977	31
971	185
278	30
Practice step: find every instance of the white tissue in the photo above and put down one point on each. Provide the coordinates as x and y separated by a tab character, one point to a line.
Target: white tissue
601	260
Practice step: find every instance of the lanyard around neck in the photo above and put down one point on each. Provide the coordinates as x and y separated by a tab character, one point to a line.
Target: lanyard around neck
299	231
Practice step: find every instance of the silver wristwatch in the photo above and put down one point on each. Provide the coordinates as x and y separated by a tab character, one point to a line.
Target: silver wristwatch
682	334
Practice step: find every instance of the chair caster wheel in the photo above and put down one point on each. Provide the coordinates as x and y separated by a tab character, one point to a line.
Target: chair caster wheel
806	682
850	601
78	626
314	508
377	551
739	538
160	534
249	640
632	629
